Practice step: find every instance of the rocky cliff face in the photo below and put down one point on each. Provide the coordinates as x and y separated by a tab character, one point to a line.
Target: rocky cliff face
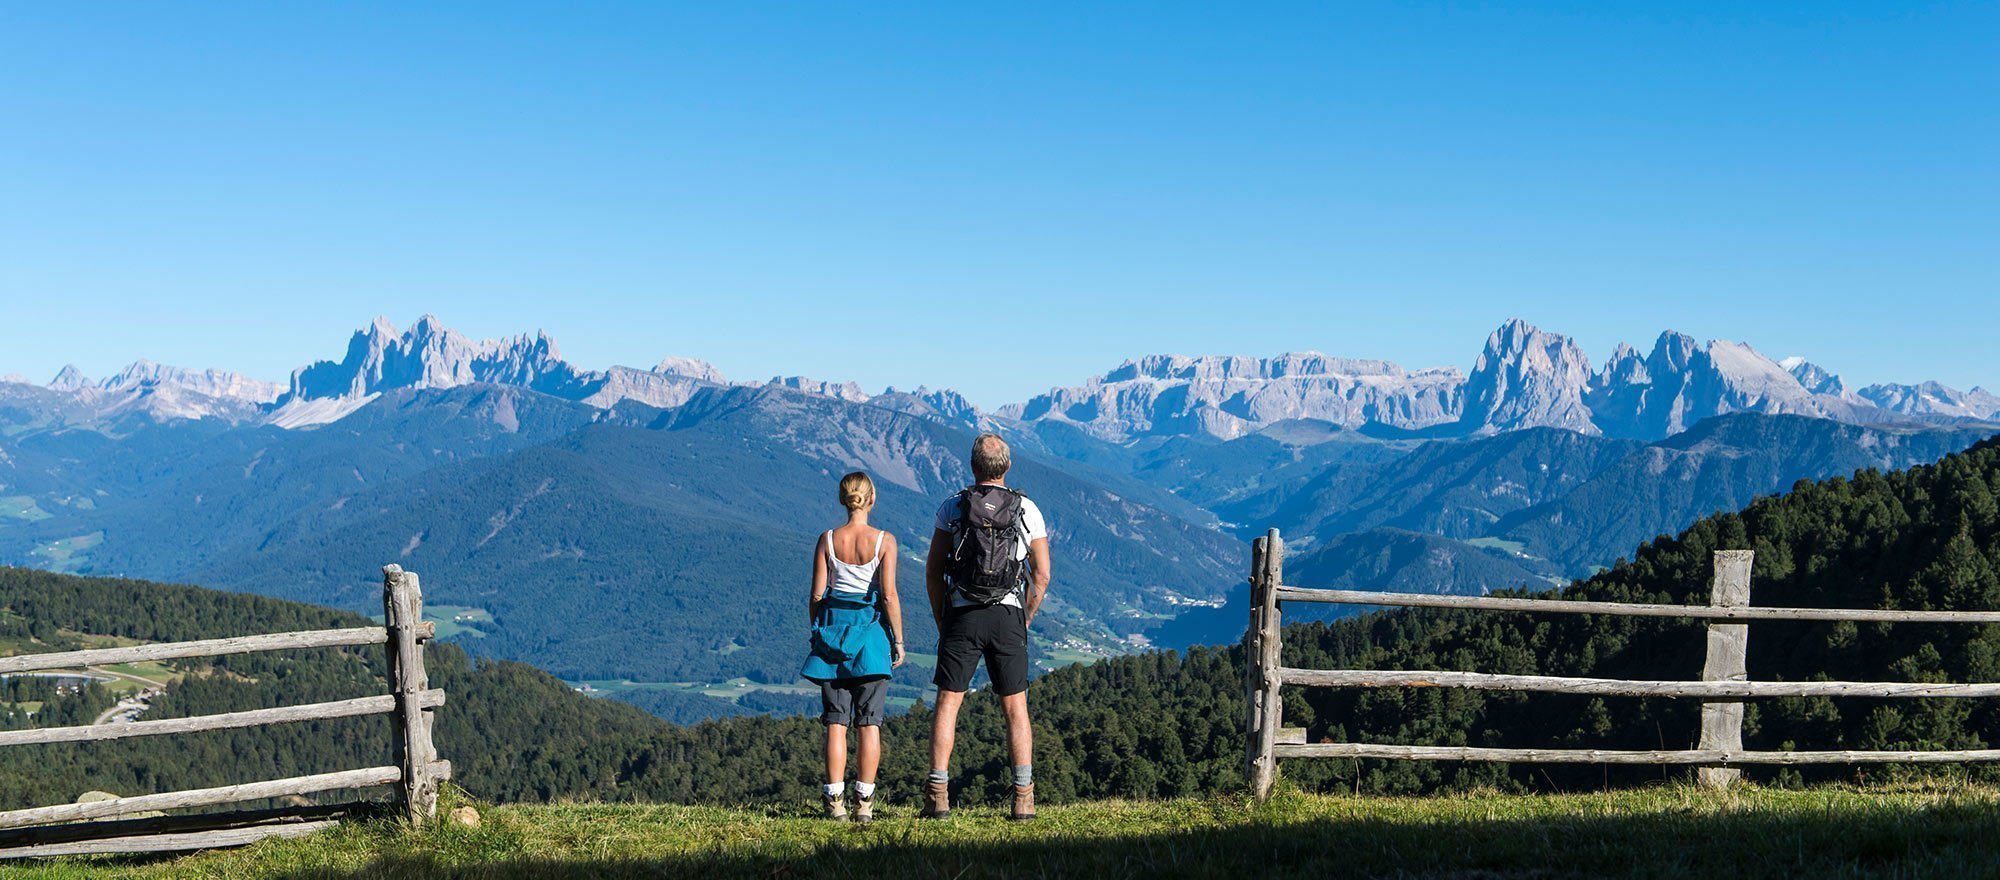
213	383
944	405
1231	396
1815	378
431	355
1684	381
1525	378
1931	398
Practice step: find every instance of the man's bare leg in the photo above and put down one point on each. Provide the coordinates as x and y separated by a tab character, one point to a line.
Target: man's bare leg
1020	735
944	728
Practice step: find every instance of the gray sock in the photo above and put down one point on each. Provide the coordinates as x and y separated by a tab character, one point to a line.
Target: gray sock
940	776
1024	775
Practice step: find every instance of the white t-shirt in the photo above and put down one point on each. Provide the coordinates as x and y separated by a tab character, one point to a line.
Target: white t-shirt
1031	522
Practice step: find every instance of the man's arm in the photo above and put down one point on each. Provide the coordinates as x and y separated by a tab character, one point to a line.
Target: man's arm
1038	585
934	566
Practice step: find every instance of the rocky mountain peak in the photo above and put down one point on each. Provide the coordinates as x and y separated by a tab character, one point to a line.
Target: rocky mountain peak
1527	377
1672	353
69	379
431	355
143	374
847	391
1933	399
1815	378
691	368
942	404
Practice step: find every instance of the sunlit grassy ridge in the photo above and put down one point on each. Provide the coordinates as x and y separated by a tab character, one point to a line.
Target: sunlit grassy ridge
1668	831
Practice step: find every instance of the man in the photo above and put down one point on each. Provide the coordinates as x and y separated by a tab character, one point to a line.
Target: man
987	572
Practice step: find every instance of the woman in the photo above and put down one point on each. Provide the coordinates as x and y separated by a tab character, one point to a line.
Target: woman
857	639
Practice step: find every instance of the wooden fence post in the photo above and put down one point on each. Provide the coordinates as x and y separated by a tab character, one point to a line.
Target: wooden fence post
1728	649
1253	658
416	755
1270	709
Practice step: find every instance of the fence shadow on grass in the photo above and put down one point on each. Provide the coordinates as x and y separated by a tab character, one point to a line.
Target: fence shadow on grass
1948	839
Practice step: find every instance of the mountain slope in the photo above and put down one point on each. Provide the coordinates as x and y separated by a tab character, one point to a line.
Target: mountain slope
1928	538
168	498
1580	501
634	547
1722	464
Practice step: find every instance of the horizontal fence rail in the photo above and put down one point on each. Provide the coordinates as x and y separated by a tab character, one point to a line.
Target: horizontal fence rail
410	704
320	638
1631	609
1615	756
1619	687
359	706
205	797
1723	686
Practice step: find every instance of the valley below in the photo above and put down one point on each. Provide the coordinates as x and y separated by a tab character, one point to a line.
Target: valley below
645	532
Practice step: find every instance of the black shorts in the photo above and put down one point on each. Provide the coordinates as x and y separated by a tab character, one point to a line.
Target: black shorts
852	702
997	632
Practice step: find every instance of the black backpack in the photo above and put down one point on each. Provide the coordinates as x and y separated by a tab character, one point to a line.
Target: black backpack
984	537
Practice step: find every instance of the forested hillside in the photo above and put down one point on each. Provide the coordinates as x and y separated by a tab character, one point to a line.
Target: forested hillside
1158	724
625	542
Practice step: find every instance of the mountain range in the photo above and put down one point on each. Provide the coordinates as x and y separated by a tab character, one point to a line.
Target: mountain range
650	524
1525	377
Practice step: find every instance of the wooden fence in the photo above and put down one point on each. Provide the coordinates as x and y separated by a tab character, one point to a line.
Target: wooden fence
105	825
1723	686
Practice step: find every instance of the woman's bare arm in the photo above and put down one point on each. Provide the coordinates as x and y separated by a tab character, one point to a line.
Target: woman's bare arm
892	605
818	580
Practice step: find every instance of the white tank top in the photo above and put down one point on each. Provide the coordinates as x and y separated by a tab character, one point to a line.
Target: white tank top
851	580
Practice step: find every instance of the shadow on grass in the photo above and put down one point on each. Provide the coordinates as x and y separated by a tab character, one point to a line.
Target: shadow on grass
1946	840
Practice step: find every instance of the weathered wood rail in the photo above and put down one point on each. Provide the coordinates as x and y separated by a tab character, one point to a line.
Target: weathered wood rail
105	826
1723	686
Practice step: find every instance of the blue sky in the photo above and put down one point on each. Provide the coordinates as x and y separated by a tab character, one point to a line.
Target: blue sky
862	192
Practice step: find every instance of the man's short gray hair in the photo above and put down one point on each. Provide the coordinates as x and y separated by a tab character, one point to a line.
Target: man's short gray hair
990	457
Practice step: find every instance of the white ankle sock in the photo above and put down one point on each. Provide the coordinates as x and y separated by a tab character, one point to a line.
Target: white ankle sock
833	789
864	789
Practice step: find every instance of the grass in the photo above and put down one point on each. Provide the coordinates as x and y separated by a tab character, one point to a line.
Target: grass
1665	832
458	620
67	554
22	507
1514	547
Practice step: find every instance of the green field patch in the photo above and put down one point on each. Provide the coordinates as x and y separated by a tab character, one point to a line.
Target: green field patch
1514	547
67	554
1055	658
453	620
458	620
153	672
22	507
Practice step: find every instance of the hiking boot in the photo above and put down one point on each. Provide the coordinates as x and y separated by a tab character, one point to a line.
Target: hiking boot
864	808
937	800
836	806
1024	803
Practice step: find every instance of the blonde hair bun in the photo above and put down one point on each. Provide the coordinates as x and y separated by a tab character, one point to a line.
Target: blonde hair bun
857	491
